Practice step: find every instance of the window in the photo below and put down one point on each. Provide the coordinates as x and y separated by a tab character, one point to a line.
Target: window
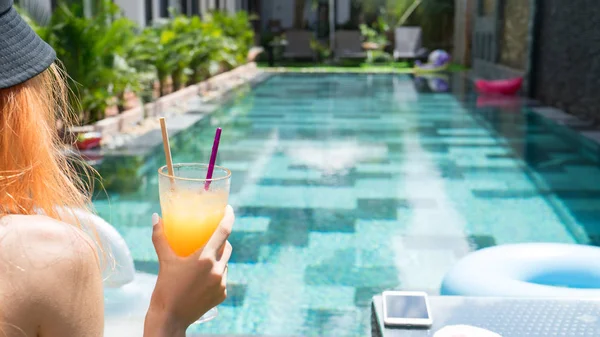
183	7
149	12
217	4
195	7
164	8
252	6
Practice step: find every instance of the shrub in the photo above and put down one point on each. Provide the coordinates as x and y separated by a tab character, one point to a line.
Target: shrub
106	55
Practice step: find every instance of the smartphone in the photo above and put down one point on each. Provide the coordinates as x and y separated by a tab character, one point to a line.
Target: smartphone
406	309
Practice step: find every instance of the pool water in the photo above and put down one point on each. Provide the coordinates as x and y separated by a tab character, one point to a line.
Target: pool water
348	185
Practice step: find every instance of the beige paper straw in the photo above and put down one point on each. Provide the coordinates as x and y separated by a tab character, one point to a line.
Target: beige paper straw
167	146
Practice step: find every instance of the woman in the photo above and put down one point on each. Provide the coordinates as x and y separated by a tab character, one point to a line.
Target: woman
50	277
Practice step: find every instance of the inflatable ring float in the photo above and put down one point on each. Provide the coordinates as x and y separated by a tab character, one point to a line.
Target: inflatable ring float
527	270
500	87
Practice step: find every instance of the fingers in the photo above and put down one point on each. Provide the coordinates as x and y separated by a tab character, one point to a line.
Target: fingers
226	246
225	255
220	235
163	250
224	280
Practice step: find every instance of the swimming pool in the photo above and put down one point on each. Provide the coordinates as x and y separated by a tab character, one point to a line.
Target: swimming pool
347	185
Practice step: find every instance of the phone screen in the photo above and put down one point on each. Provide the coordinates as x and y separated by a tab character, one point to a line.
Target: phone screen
406	306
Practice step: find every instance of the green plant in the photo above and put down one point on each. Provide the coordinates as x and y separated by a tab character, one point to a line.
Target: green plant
435	17
208	48
322	51
160	49
238	36
106	55
92	51
189	49
376	33
376	36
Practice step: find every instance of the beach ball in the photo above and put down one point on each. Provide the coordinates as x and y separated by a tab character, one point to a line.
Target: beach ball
439	57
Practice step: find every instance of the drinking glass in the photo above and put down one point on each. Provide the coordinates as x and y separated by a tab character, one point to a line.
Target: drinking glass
192	208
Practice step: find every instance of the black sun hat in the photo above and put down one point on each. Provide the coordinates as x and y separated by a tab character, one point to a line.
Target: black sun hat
23	54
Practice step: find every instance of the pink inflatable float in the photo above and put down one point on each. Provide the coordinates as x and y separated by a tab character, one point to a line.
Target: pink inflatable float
502	87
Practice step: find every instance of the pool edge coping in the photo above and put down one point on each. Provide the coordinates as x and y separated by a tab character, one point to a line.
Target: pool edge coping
207	107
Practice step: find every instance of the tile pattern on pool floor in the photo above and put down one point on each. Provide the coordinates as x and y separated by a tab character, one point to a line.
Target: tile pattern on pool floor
347	185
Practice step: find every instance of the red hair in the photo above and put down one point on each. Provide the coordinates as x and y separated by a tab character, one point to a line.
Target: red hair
35	175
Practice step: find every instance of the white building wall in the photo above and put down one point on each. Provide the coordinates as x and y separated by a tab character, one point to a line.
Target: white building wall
134	10
203	6
155	9
230	5
208	5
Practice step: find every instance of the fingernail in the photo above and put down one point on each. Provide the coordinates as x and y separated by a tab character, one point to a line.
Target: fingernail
155	219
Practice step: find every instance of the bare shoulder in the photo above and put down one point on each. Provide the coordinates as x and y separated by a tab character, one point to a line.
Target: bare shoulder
49	271
35	239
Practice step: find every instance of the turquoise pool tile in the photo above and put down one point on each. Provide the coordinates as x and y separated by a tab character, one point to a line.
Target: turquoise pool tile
236	165
150	267
289	231
379	168
348	185
299	197
323	246
326	322
343	270
477	152
463	132
251	224
285	173
378	188
580	175
485	162
467	141
236	294
482	241
384	209
240	273
223	324
247	246
127	213
139	241
328	297
284	280
372	233
363	296
493	216
325	220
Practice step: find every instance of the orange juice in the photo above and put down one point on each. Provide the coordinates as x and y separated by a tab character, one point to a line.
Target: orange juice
191	217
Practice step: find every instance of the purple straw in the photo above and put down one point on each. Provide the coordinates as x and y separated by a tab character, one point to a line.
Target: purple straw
213	159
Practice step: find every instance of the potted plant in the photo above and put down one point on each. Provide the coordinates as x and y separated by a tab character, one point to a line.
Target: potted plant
375	40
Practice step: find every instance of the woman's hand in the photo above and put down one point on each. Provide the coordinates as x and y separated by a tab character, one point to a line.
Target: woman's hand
187	287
